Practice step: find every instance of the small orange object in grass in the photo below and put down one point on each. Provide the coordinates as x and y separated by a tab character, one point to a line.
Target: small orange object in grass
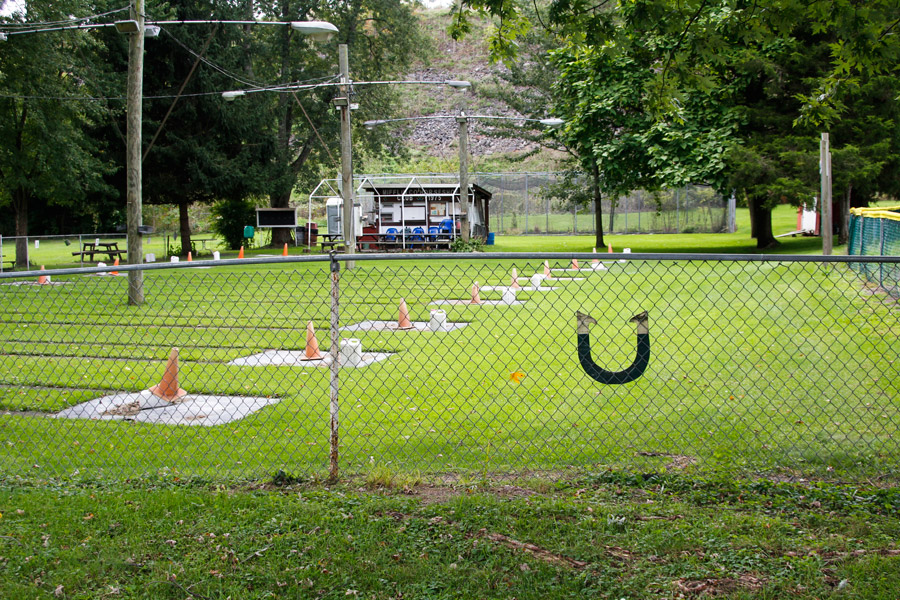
517	376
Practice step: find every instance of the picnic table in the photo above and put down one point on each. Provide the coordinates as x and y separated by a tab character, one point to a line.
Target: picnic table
110	249
332	241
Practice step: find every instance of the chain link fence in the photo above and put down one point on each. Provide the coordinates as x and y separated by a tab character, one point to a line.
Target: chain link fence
558	203
542	203
303	367
876	232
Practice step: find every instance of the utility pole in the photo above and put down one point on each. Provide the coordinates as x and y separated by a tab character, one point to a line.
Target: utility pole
134	110
825	197
343	103
463	121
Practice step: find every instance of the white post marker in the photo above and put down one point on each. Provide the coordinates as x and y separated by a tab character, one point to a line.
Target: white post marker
351	352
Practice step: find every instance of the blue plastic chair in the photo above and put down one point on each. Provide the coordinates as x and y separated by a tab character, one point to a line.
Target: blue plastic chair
391	234
446	228
433	233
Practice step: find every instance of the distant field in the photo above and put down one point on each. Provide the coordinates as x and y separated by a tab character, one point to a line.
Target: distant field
56	254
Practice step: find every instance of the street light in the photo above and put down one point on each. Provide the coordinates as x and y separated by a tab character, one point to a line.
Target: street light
463	120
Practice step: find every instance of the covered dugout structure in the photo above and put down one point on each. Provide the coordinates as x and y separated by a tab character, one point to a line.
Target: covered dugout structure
425	204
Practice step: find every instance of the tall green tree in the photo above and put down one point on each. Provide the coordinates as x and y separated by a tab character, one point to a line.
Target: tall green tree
382	37
45	112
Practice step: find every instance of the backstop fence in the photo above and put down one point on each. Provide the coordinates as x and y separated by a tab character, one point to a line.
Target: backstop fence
448	365
876	232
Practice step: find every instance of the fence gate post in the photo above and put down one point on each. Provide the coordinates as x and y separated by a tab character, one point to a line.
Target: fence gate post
335	367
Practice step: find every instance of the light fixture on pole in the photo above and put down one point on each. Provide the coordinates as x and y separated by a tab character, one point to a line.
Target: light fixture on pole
318	31
230	96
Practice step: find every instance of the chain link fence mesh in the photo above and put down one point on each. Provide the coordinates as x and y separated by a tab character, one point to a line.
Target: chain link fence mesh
876	232
787	364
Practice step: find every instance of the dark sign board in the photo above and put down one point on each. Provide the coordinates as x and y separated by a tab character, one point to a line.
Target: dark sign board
276	217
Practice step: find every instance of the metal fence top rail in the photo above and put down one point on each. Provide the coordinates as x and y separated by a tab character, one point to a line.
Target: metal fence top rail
455	256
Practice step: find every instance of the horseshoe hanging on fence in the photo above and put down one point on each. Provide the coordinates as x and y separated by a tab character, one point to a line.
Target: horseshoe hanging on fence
613	377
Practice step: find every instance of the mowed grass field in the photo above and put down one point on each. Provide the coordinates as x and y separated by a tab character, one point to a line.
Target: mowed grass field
54	253
774	366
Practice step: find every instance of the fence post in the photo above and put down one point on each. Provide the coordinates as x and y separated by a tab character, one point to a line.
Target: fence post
526	203
335	367
881	253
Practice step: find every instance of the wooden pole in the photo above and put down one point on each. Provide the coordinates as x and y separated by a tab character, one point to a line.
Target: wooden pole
825	196
346	154
134	108
463	121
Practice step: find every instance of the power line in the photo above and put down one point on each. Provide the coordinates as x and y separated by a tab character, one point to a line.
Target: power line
62	22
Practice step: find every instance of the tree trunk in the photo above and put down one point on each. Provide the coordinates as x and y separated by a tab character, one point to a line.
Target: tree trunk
763	220
612	215
20	206
598	206
281	235
185	227
751	204
843	218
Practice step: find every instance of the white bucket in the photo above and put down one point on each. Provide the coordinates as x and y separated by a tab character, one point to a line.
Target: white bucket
173	259
351	352
150	257
536	280
215	255
509	296
438	320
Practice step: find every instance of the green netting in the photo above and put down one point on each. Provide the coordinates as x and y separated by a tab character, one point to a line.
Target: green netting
876	233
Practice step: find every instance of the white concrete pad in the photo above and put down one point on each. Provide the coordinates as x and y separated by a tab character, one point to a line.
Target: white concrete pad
483	302
144	407
392	326
295	358
500	288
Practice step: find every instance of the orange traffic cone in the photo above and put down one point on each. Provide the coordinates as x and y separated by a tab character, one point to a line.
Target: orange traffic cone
609	248
595	261
43	279
115	264
312	344
514	284
575	264
168	387
241	252
403	318
284	252
547	274
476	298
190	258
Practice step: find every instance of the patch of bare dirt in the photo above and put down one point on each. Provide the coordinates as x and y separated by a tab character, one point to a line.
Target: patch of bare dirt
691	588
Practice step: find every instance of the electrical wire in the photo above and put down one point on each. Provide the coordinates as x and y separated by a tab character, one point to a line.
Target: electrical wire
240	79
40	24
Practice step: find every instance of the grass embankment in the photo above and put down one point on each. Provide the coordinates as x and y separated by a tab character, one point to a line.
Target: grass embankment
604	536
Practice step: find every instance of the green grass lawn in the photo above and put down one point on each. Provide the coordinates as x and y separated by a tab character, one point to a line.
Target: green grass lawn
754	366
607	535
56	254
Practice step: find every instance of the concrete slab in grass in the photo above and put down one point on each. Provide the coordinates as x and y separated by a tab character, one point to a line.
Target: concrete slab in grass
296	358
392	326
144	407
